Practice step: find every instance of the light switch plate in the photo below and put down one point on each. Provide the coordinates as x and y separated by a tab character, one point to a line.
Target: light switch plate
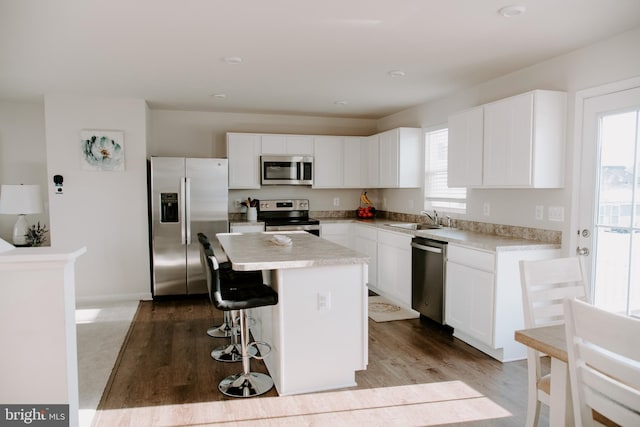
556	213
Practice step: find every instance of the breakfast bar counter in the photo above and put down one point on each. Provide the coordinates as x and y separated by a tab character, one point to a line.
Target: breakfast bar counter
318	331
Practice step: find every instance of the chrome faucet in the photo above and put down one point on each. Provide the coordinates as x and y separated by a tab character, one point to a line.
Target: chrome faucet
434	218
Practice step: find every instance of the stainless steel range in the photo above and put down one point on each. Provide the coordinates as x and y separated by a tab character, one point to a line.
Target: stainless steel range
287	215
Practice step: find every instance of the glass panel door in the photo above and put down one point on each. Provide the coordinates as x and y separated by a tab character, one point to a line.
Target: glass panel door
608	199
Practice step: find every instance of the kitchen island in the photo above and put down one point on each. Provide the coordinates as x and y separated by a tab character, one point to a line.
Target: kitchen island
318	331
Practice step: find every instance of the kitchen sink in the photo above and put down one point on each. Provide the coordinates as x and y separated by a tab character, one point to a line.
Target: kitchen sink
414	226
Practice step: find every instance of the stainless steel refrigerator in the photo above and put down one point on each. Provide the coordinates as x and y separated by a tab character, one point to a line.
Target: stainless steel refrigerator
186	196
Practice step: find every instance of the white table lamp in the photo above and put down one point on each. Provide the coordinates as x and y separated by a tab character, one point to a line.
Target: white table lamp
20	200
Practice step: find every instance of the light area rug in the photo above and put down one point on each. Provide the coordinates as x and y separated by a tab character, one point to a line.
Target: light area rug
101	330
409	405
383	310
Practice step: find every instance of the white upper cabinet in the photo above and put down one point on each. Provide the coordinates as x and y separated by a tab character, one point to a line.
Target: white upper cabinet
287	144
337	162
390	159
524	141
370	161
328	162
465	148
352	173
400	156
517	142
243	152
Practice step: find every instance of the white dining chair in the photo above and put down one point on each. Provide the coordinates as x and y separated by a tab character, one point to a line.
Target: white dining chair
604	365
545	284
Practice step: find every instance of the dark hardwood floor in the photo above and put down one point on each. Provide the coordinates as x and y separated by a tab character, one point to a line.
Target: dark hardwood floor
166	360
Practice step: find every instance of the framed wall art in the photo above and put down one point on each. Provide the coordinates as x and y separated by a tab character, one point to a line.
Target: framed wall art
102	150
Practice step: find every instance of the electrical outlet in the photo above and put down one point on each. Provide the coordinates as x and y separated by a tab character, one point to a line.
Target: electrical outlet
486	209
336	201
539	212
384	202
324	301
236	203
410	203
556	213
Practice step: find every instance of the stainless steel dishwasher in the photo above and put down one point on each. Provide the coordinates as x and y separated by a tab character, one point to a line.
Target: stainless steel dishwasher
428	259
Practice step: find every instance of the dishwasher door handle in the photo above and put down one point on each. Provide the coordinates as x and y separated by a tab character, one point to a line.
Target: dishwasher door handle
426	248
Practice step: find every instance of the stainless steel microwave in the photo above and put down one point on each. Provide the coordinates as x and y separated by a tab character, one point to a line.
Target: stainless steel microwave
286	170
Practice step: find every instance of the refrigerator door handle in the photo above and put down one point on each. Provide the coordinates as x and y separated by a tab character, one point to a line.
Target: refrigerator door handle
187	204
183	208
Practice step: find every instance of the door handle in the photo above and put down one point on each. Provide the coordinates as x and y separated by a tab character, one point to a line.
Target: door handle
426	248
582	251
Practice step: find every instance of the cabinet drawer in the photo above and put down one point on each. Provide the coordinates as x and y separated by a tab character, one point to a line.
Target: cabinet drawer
335	228
471	257
397	240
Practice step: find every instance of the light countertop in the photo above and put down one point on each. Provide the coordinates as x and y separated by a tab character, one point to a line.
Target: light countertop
489	242
255	251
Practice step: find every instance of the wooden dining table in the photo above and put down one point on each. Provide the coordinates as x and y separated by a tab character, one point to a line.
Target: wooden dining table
551	340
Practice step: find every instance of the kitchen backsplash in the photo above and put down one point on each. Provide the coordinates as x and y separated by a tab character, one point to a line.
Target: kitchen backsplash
529	233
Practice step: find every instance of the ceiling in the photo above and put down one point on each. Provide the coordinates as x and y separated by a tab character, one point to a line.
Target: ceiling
298	56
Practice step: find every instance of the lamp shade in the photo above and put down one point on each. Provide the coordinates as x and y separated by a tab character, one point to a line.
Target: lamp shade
20	199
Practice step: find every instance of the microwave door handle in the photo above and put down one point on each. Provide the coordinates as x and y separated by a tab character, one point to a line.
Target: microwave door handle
300	170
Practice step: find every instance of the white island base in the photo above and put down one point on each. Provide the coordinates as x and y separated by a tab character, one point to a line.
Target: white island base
317	331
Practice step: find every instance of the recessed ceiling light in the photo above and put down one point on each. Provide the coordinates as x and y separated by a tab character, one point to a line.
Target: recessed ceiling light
219	95
512	10
397	73
341	102
232	59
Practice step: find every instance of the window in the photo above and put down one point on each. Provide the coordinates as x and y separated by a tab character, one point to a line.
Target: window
437	195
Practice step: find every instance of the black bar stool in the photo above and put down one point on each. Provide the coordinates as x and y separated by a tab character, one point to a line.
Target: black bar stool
231	352
224	330
230	297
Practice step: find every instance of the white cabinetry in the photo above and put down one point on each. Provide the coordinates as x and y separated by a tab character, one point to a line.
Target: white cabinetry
365	240
337	162
524	141
469	292
483	301
370	161
394	266
287	144
465	148
400	157
327	162
352	171
339	233
517	142
243	152
247	227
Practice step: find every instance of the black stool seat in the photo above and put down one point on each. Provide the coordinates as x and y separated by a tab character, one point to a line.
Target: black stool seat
234	297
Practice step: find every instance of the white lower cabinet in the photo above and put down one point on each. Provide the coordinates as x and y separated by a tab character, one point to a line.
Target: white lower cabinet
483	299
247	227
389	257
365	240
339	233
394	266
469	295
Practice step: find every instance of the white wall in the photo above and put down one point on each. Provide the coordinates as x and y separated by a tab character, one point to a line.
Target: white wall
22	155
607	61
104	211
